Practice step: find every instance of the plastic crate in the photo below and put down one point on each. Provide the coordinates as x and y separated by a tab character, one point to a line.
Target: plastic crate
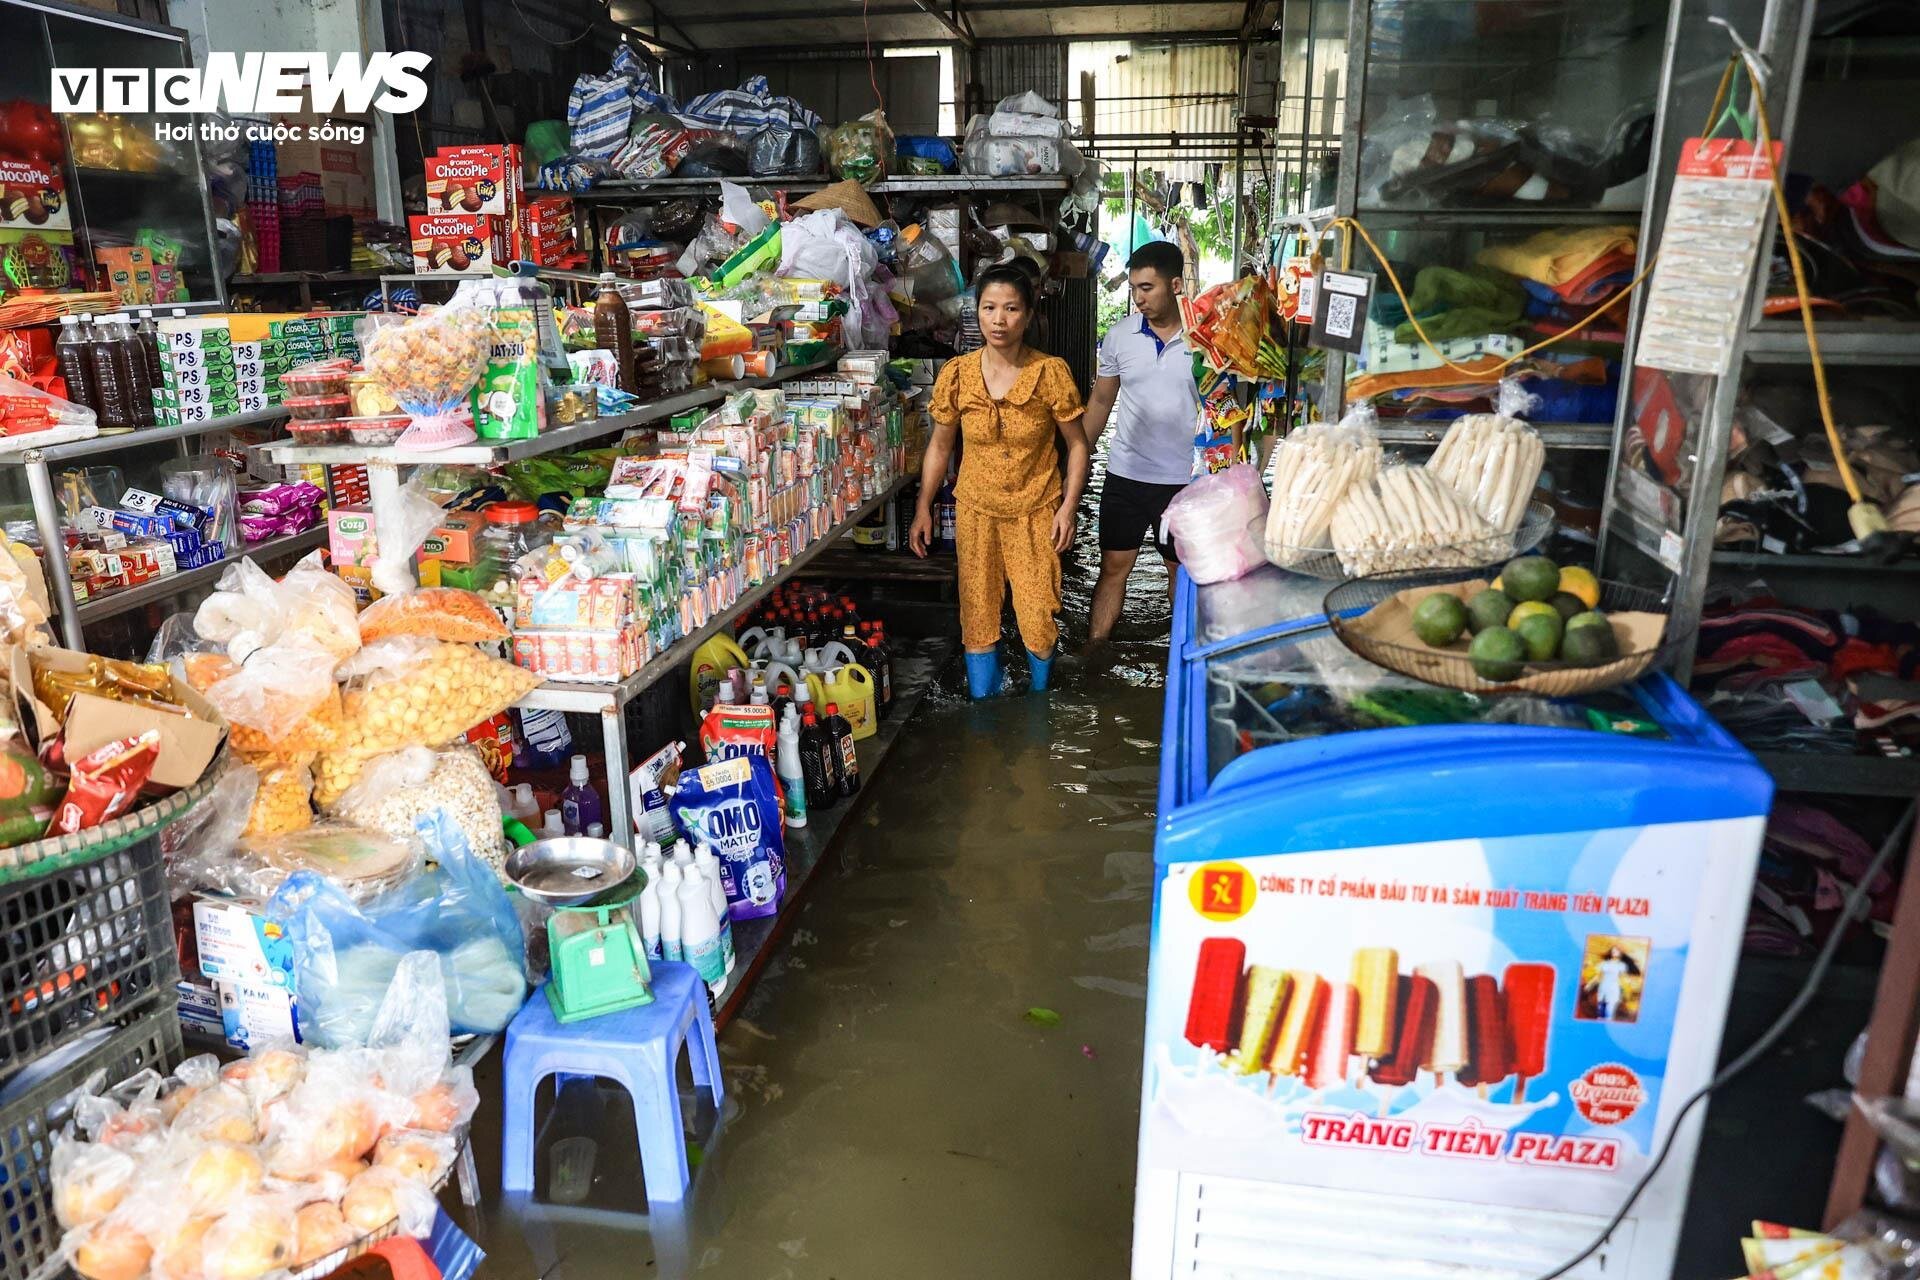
85	946
35	1107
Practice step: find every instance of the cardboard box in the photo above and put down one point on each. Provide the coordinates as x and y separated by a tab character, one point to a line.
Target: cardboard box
481	179
33	196
200	1009
239	945
457	539
251	1015
127	271
458	244
187	743
350	538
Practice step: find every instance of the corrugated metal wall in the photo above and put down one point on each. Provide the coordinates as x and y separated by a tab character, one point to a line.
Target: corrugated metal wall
1003	69
1146	94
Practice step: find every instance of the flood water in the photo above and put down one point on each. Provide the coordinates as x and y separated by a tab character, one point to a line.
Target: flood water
938	1074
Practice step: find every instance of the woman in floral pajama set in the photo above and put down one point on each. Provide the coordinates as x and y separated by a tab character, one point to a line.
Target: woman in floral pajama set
1015	516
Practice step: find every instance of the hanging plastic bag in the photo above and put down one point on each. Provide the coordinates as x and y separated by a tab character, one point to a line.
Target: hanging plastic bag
348	954
428	363
1493	460
1215	521
400	530
776	151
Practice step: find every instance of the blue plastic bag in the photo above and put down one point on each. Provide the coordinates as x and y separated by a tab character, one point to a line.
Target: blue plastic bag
915	146
345	952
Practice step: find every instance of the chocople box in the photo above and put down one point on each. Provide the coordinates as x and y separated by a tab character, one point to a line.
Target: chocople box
34	196
458	244
478	179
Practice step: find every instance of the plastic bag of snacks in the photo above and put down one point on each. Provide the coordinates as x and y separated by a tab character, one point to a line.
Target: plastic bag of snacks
410	691
393	792
281	707
860	149
428	363
1310	471
248	609
282	802
438	613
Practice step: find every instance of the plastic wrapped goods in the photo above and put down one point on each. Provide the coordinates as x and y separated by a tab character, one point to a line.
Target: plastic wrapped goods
1310	472
1212	521
395	791
860	149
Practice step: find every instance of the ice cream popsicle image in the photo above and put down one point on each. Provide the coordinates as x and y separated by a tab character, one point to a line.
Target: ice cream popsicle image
1419	1003
1306	1006
1448	1052
1332	1048
1375	975
1529	992
1489	1056
1266	997
1216	992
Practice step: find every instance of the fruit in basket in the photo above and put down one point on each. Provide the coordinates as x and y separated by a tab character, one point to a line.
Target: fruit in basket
112	1250
322	1229
1439	619
408	1155
181	1254
1568	605
1530	578
1538	625
219	1114
256	1236
1489	608
222	1173
89	1182
1589	641
444	1107
369	1203
1497	654
1580	583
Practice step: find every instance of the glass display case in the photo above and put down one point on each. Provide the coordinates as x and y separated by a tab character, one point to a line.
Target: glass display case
1497	152
96	200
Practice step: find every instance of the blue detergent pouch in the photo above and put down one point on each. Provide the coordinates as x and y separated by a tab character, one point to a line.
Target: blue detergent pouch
732	806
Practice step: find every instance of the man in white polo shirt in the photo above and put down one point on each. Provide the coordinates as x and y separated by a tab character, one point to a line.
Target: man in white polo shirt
1145	384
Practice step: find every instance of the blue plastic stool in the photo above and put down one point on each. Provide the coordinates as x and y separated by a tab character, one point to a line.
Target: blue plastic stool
636	1048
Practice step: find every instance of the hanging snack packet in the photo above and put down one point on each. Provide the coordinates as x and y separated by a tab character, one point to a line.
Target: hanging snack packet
732	807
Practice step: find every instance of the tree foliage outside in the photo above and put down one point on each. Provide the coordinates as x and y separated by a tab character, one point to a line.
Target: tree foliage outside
1205	235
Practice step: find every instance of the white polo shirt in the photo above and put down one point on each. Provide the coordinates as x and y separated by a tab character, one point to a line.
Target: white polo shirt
1153	418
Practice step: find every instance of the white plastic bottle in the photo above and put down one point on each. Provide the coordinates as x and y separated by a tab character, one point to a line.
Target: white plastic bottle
553	827
787	761
700	932
709	866
670	922
650	902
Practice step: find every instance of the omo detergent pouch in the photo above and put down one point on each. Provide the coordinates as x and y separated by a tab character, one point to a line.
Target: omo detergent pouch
733	807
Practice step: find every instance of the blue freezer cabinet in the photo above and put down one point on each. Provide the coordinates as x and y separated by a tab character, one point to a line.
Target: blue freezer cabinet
1431	972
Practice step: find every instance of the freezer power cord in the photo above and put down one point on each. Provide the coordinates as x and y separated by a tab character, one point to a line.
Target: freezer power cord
1856	901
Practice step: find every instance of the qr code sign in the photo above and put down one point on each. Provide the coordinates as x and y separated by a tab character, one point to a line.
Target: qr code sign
1340	314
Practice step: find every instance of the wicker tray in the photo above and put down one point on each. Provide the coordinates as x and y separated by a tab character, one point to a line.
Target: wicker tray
38	857
1325	562
1382	634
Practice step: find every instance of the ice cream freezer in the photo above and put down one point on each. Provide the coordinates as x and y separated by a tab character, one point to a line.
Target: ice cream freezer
1431	972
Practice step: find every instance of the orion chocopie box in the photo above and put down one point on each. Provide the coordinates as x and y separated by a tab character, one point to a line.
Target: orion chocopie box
34	196
458	243
474	180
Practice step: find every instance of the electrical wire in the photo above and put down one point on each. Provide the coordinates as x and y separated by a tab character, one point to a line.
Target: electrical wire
558	44
1822	961
872	78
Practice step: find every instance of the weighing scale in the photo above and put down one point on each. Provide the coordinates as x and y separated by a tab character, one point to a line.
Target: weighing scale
597	959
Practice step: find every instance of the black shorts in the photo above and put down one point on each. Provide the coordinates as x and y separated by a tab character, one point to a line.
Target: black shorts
1132	512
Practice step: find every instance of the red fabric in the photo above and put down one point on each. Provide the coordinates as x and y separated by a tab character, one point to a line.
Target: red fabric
407	1258
1857	655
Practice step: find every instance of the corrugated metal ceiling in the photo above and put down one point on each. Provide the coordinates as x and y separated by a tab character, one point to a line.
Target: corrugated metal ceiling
761	24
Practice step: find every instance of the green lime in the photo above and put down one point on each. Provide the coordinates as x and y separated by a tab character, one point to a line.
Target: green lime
1567	604
1541	632
1439	619
1497	654
1488	608
1530	578
1589	618
1589	646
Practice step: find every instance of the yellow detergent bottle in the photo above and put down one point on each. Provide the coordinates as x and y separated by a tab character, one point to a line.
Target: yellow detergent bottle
709	668
851	685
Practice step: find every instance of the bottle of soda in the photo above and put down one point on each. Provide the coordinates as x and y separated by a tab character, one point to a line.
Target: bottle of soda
819	763
72	353
842	730
111	377
139	381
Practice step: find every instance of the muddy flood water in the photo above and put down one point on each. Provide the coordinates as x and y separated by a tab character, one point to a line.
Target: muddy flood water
938	1074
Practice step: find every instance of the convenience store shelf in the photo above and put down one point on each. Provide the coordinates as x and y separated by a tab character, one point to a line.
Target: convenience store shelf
1511	213
173	584
1841	342
807	847
1842	775
589	698
485	453
303	277
94	446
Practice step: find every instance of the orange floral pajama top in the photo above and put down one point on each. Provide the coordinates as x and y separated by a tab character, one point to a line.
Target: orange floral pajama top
1007	494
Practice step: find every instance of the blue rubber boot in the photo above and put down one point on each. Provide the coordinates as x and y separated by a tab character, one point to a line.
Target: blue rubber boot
983	673
1040	669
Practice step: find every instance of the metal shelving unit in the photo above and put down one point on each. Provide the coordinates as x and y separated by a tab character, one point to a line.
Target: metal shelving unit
1663	503
114	603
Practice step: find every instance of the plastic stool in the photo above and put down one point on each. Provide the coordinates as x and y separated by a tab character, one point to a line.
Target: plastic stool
636	1048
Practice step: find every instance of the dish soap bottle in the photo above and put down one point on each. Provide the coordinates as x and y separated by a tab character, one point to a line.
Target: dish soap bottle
580	805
